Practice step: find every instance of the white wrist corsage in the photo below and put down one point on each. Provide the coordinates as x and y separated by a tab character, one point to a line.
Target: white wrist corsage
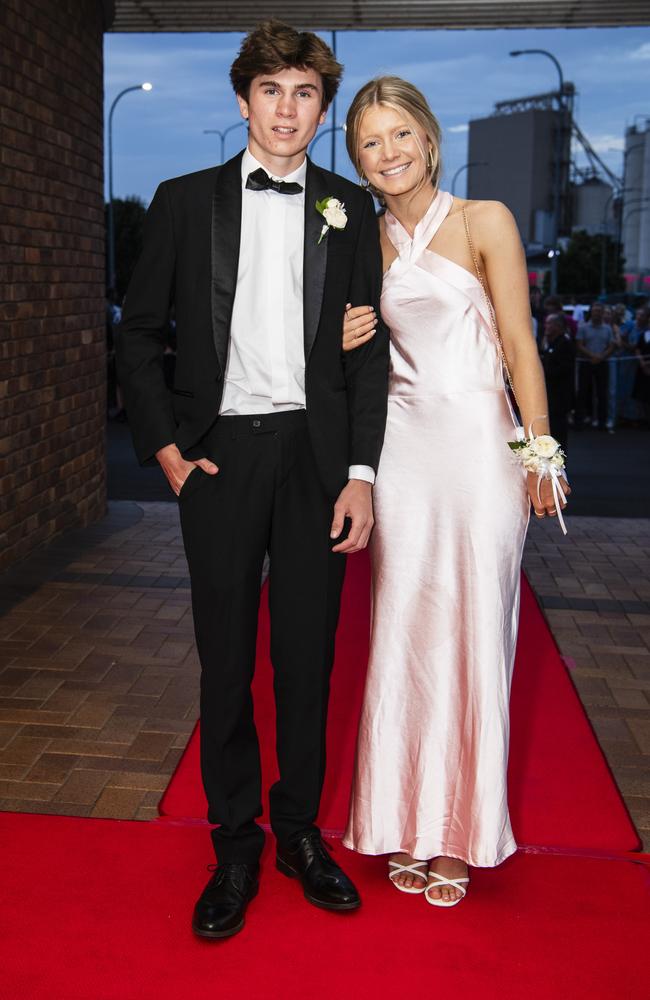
333	211
543	456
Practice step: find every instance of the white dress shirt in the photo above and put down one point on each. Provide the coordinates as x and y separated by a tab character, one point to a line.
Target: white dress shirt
265	370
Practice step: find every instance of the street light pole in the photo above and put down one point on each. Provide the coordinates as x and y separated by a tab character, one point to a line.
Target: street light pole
619	192
633	211
334	126
616	193
465	166
326	131
111	223
222	135
557	171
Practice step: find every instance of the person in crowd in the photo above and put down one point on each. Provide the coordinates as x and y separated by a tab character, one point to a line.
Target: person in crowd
270	439
536	310
553	306
612	369
594	343
621	325
452	508
579	311
114	397
641	392
631	334
557	353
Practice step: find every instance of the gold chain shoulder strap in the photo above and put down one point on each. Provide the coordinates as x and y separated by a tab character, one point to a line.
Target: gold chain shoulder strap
493	319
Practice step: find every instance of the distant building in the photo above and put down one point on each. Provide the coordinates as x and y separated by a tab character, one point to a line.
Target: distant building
593	207
512	157
636	207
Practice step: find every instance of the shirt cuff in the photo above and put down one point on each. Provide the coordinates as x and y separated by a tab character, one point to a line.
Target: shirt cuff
363	472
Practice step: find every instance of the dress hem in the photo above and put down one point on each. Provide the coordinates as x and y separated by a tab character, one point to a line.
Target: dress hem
507	851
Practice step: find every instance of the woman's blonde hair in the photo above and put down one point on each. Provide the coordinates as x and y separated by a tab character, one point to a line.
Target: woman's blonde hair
393	92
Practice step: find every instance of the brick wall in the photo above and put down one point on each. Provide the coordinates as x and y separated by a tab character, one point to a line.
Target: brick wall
52	330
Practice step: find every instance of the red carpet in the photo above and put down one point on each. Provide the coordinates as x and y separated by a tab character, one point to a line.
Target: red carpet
561	790
100	910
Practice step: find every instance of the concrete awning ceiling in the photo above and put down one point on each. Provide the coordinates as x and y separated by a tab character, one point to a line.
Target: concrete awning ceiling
359	15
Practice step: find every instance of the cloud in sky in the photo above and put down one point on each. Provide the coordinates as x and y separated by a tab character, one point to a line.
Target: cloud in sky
607	143
462	73
643	52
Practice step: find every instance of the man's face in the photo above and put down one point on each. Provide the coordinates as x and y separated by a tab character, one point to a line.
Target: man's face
283	109
552	328
596	314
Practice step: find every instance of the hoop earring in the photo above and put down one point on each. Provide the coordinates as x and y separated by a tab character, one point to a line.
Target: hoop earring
363	181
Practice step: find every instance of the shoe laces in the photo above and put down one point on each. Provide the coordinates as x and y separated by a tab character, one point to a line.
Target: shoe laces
316	844
235	872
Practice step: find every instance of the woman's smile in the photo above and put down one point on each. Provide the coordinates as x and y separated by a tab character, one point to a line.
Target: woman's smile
396	171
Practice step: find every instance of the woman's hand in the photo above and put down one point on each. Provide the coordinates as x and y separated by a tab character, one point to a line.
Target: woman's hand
547	505
359	325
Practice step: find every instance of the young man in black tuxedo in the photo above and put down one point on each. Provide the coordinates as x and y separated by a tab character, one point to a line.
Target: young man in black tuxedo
270	438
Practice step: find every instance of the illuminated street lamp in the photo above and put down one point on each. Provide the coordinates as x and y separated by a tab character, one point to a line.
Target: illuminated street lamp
111	224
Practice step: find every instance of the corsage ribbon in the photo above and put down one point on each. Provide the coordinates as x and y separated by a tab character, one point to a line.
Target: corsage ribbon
543	456
556	485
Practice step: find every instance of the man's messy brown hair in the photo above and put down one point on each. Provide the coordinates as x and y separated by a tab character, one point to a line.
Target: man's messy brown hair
274	46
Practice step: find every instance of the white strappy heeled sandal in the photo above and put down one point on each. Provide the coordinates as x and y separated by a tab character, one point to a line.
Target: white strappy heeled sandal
441	881
412	870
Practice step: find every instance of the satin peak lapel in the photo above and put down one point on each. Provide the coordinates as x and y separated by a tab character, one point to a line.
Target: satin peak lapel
315	255
226	233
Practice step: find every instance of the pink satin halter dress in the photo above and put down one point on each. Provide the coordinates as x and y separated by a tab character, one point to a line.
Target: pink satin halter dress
451	513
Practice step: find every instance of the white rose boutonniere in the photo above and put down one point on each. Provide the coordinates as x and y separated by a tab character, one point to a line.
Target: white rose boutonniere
333	211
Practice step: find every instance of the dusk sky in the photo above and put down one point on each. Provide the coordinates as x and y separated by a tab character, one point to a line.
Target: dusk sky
160	134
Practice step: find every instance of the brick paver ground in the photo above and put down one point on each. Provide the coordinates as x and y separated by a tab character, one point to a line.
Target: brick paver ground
594	586
99	676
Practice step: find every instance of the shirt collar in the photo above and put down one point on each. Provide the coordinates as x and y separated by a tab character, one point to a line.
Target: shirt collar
249	164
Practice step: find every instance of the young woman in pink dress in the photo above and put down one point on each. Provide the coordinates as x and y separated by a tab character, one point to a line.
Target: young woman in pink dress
451	509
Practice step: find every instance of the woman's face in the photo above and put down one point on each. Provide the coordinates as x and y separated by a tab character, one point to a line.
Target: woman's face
389	153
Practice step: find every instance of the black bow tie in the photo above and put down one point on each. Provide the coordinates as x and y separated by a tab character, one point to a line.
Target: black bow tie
259	180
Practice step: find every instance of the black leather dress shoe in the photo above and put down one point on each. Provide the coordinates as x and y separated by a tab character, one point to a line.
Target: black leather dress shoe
323	882
220	909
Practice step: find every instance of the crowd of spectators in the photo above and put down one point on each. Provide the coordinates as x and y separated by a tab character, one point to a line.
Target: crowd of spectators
596	361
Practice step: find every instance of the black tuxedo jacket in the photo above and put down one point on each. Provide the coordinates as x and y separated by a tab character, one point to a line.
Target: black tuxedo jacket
189	260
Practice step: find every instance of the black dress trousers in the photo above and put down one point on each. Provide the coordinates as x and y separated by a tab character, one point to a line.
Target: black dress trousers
266	496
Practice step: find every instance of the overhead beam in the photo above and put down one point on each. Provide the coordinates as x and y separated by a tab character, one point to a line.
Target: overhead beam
369	15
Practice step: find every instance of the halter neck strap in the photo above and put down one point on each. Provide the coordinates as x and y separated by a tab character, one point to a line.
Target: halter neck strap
425	230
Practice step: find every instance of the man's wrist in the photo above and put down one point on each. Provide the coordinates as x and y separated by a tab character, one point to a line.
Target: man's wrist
365	473
164	450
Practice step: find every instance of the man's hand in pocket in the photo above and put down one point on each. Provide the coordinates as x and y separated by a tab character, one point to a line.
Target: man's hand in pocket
177	469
